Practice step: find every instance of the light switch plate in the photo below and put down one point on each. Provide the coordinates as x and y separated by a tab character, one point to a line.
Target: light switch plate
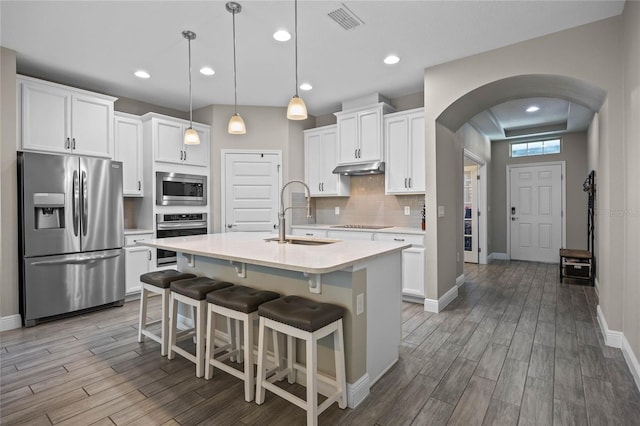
440	211
407	210
337	211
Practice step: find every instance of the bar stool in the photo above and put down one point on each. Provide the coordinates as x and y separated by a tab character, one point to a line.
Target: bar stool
191	292
157	282
310	321
239	303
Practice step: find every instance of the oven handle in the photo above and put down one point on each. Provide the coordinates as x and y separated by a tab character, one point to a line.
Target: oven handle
173	225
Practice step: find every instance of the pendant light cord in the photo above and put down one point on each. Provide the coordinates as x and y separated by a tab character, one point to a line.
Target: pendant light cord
190	93
235	72
296	41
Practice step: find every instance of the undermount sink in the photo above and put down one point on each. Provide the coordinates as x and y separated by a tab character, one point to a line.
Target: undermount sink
304	241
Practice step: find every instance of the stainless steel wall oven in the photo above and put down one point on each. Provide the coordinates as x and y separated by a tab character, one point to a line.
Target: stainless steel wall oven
177	225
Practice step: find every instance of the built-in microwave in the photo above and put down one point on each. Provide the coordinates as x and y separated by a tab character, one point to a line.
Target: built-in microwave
177	189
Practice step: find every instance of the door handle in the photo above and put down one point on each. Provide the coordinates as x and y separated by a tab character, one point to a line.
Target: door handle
231	225
67	144
85	204
405	182
409	182
74	143
513	218
185	155
139	186
76	202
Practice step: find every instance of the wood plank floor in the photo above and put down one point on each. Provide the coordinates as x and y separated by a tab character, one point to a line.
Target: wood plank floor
515	348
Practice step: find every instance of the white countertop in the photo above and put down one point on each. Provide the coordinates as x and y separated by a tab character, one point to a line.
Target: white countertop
251	248
390	230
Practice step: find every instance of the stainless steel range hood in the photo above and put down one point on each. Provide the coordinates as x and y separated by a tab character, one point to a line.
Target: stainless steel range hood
361	169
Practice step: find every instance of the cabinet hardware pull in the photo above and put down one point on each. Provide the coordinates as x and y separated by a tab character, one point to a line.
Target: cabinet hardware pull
319	187
74	143
139	186
405	182
185	156
309	234
355	153
398	239
322	186
67	144
149	254
409	182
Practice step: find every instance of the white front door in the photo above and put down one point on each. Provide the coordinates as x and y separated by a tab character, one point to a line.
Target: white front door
470	213
251	191
535	212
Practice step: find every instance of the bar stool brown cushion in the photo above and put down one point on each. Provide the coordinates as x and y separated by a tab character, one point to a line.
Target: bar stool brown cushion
198	287
240	298
163	279
301	313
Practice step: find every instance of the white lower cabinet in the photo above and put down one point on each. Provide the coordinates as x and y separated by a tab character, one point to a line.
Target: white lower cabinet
138	260
350	235
413	262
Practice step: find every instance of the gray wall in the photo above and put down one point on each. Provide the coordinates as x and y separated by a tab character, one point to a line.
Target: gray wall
8	190
574	153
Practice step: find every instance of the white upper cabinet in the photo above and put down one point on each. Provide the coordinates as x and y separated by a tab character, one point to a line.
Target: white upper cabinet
56	118
360	137
168	146
128	149
405	152
320	158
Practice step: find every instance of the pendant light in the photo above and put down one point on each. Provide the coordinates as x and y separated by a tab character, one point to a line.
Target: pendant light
190	136
296	110
236	123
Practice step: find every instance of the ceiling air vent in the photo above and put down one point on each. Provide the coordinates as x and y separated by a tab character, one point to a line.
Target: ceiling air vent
345	17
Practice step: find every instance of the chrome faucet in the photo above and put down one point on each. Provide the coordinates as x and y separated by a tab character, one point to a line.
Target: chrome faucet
281	225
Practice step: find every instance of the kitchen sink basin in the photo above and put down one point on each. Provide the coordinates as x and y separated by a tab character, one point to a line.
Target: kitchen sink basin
304	241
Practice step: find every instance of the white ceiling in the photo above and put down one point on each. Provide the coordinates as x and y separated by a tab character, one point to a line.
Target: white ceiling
97	45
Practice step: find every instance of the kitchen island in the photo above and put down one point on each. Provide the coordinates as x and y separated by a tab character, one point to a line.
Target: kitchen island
364	277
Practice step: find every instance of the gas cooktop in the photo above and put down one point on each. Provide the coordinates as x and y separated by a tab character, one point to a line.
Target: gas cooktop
361	226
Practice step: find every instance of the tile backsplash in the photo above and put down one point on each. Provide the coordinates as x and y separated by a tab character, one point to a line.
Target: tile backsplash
367	205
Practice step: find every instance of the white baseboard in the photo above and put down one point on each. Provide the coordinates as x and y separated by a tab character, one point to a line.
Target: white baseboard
632	360
358	391
431	305
460	280
611	338
10	322
616	339
498	256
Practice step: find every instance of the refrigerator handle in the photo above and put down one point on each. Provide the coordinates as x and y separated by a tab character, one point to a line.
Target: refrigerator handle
85	204
76	202
77	260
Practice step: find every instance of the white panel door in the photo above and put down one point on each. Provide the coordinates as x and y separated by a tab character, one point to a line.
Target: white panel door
251	192
536	212
470	221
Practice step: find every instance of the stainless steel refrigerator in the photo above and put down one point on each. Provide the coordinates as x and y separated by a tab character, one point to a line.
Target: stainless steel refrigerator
71	234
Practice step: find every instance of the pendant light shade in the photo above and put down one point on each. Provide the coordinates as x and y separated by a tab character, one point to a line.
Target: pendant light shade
190	136
236	123
296	110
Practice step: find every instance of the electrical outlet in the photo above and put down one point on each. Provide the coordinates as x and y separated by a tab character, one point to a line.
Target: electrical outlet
457	256
360	304
337	211
440	211
407	210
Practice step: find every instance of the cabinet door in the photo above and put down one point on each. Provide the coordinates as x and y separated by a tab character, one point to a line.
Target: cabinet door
169	136
416	169
198	155
46	118
348	138
312	161
128	149
413	261
137	262
397	155
92	126
370	135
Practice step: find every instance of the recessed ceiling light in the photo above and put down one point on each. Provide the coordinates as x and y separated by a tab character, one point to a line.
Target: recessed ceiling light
207	71
533	108
391	60
282	35
306	86
142	74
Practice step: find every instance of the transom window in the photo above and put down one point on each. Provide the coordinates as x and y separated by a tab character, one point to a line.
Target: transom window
525	149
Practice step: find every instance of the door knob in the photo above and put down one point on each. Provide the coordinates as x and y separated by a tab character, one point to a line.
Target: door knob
514	217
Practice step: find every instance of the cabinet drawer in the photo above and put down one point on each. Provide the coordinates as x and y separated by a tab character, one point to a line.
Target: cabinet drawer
310	233
416	240
350	235
130	240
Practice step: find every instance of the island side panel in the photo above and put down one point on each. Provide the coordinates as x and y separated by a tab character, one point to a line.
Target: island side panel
337	287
